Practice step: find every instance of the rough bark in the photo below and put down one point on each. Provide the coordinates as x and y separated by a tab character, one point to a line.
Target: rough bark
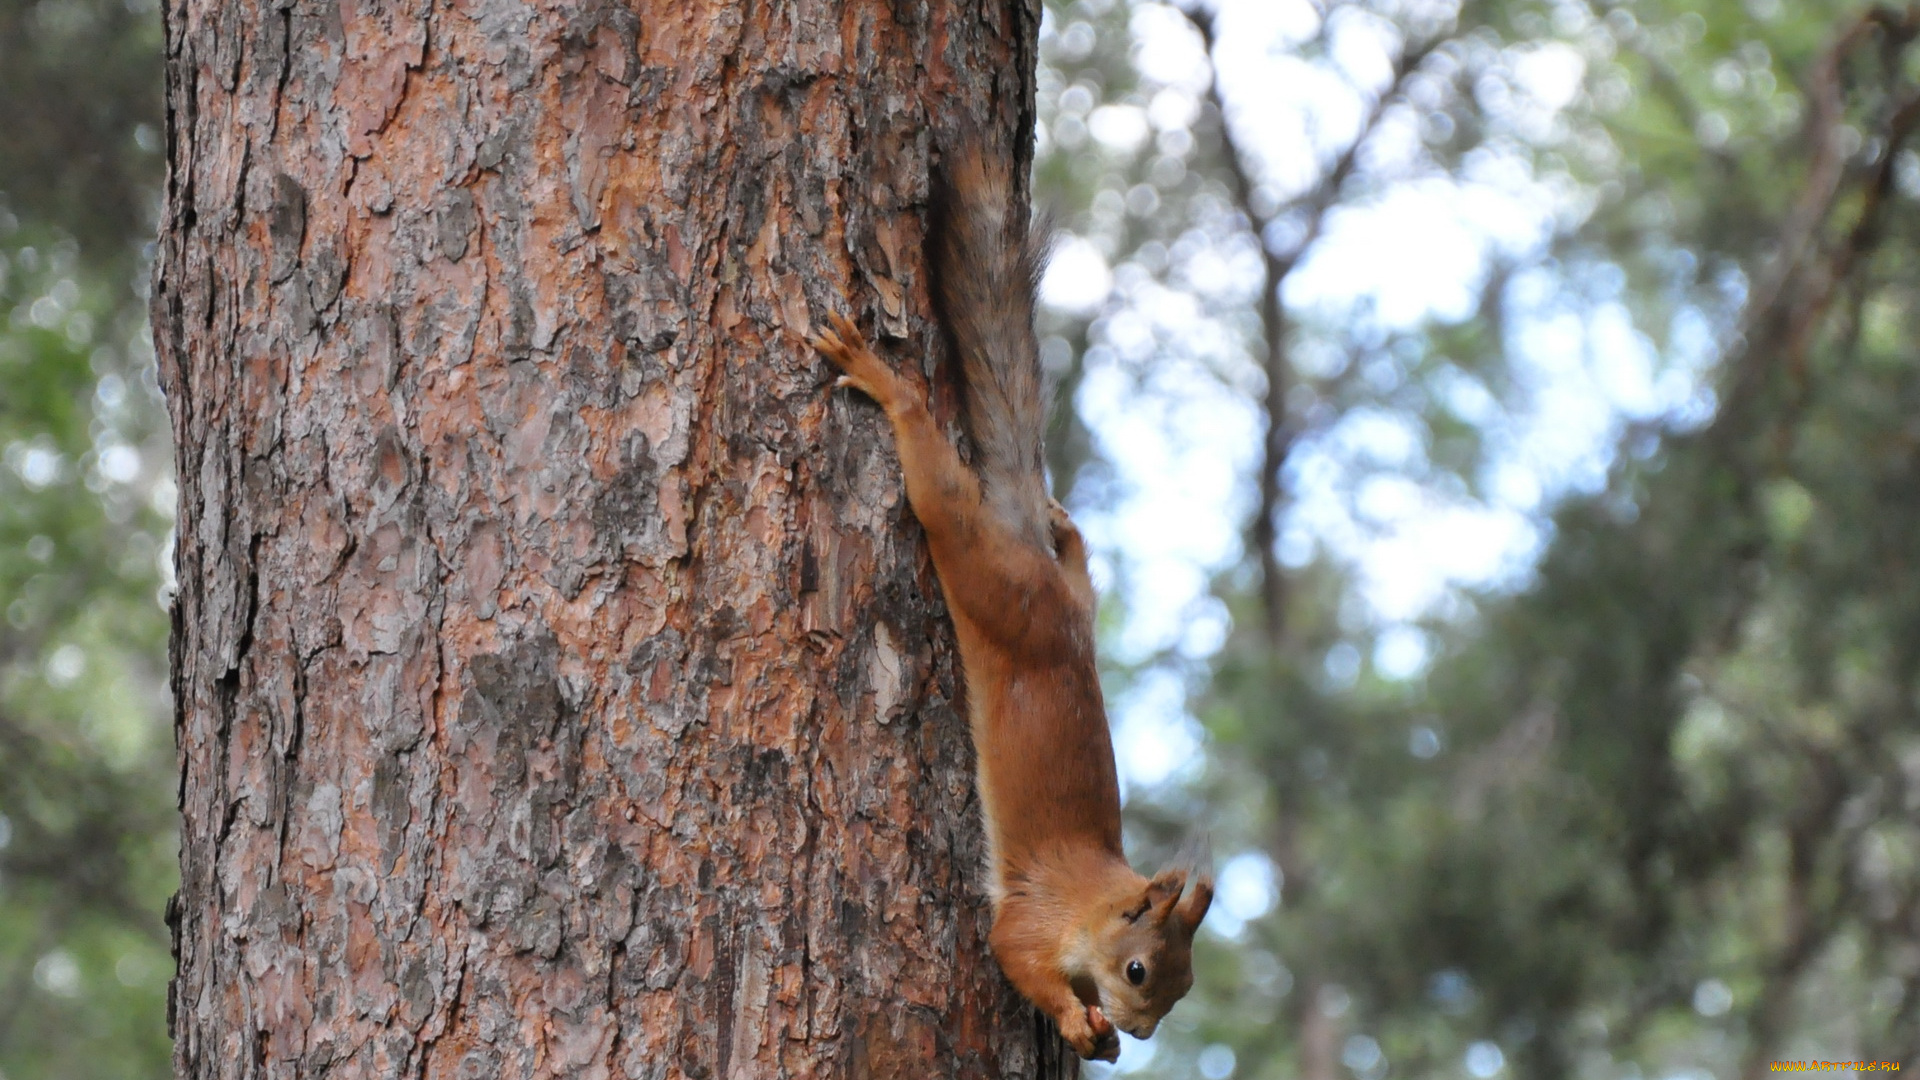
562	686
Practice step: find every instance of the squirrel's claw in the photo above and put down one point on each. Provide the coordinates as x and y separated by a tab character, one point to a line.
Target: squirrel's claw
847	331
827	344
1106	1041
846	349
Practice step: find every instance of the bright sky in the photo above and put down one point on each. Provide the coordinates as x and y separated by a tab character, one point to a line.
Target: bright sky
1186	449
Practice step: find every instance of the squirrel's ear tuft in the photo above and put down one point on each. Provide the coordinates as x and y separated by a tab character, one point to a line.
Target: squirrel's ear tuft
1195	859
1164	890
1194	907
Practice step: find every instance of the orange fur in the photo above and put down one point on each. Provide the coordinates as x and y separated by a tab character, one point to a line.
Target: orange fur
1070	916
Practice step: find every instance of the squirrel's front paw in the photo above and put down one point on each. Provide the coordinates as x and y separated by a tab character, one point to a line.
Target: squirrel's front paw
844	346
1090	1033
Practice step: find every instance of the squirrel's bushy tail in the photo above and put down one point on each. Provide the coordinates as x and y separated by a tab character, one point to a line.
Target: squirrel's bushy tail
985	265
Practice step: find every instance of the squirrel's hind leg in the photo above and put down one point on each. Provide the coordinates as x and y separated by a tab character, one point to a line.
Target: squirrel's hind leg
944	493
1070	551
988	573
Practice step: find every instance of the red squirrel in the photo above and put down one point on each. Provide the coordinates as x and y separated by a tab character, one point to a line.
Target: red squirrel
1092	943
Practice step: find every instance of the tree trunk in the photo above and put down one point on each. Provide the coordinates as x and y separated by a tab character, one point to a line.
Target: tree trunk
562	687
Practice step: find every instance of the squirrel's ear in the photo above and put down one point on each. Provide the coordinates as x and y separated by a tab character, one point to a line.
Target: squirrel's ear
1164	890
1194	907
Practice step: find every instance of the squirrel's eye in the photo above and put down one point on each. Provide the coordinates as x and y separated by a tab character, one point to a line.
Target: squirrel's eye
1136	972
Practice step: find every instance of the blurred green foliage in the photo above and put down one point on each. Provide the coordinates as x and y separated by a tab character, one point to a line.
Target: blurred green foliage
1651	810
87	848
80	148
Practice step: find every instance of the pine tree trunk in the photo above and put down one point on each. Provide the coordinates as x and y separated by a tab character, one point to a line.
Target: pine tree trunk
562	688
